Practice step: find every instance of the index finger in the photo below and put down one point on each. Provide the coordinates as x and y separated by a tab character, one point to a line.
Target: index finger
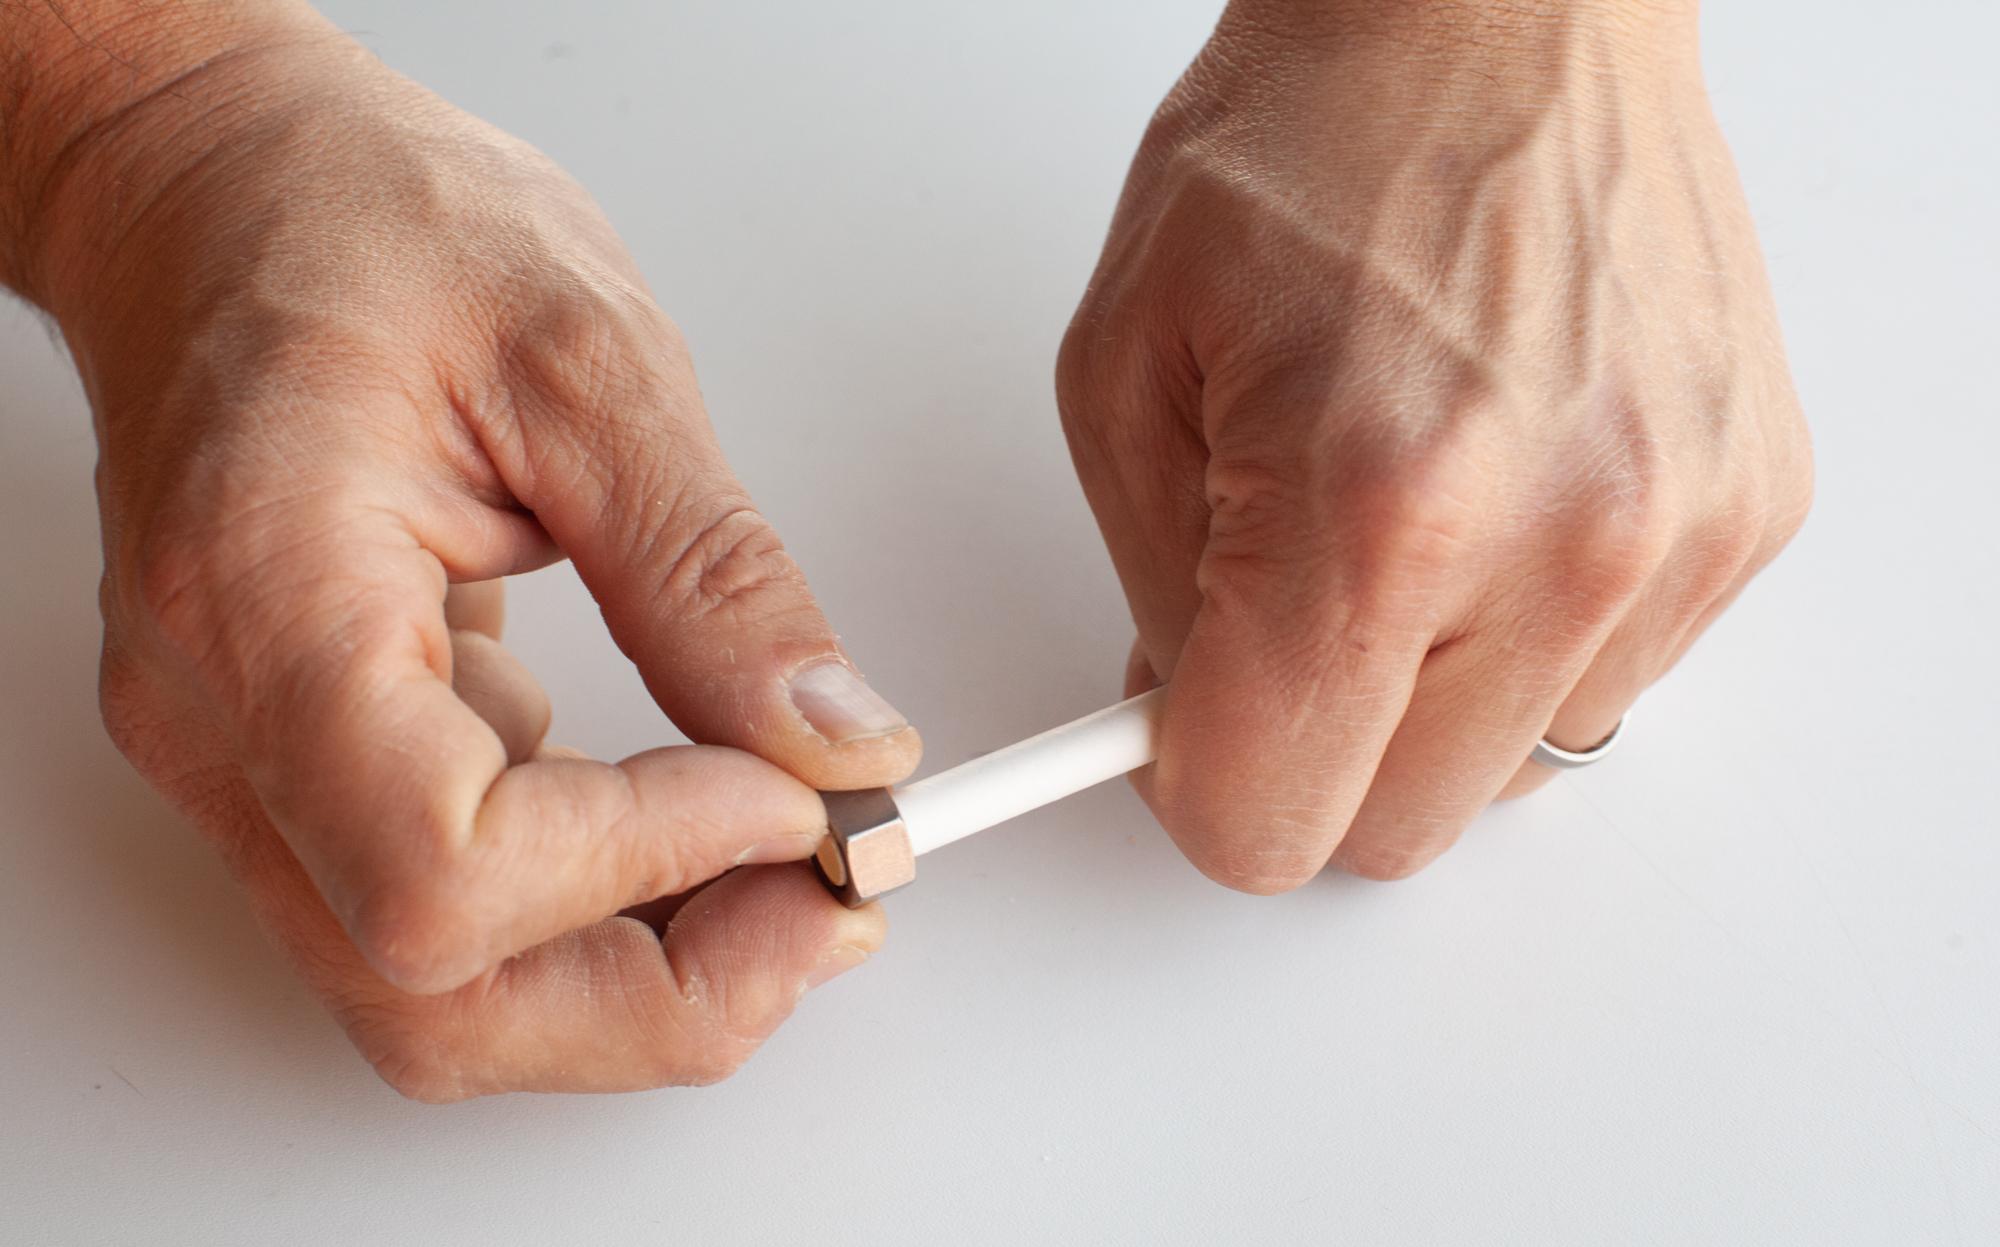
319	639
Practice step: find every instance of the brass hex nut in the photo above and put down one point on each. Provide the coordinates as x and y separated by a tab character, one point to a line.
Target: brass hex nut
866	853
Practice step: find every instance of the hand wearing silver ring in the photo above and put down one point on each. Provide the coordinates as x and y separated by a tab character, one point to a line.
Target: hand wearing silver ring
1422	443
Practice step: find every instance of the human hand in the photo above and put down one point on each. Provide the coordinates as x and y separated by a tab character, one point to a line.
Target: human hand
1431	399
347	347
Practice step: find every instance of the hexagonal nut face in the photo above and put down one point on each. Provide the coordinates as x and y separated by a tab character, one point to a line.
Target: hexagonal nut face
866	853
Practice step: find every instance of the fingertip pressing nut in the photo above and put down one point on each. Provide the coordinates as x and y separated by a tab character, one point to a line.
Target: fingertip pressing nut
866	853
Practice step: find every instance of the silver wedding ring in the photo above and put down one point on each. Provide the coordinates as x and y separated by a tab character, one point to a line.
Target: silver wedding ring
1570	759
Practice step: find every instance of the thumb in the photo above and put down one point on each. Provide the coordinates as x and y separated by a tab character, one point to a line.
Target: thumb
1282	703
694	583
1287	660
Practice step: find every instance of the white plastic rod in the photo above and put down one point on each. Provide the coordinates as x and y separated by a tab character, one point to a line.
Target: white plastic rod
953	804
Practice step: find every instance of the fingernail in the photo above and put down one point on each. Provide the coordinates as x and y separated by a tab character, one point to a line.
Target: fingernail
841	707
837	962
791	848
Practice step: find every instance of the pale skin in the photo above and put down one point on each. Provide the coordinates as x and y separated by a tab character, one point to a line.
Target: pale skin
1429	395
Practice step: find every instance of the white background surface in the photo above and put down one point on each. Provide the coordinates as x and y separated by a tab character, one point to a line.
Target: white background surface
1738	986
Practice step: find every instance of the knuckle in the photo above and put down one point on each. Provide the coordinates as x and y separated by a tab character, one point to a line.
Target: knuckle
1525	782
1420	530
1615	523
419	933
1791	471
708	1065
1610	549
733	563
1380	551
1387	863
1251	503
1742	536
1077	365
1264	529
1715	556
237	552
175	579
199	589
593	344
667	868
1257	881
1126	395
1262	836
1395	492
411	1048
1260	878
1733	543
665	333
1266	868
1792	503
1418	483
1079	393
697	1045
1613	557
418	1076
130	712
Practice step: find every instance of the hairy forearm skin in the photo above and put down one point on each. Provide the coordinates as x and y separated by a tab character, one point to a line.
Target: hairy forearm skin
1501	26
102	102
1449	64
1450	85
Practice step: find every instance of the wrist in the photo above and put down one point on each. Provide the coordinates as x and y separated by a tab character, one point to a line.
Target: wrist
104	94
1499	33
